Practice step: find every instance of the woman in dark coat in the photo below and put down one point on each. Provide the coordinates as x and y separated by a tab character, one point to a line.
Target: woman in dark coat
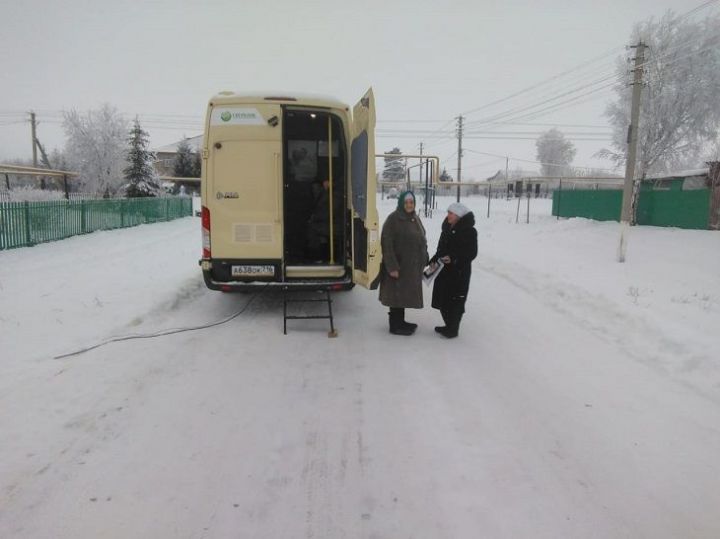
404	251
457	249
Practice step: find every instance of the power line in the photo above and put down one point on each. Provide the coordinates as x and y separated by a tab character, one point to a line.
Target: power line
554	125
554	101
546	81
566	103
493	132
557	106
536	162
695	10
410	121
517	109
486	163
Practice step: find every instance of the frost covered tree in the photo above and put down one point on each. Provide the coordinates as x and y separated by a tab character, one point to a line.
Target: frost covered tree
394	167
58	160
140	174
95	148
555	153
679	112
184	163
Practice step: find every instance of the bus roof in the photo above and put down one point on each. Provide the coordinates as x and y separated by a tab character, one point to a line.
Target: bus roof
290	98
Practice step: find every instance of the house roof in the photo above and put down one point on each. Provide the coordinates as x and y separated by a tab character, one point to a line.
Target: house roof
680	174
515	174
194	142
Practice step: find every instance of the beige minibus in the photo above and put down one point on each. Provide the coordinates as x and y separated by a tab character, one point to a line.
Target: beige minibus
288	193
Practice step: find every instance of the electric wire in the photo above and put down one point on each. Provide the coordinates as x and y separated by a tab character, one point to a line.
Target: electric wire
533	161
166	331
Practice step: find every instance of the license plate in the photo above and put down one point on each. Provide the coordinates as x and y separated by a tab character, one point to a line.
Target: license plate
253	271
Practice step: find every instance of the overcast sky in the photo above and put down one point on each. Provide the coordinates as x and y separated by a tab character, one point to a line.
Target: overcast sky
426	61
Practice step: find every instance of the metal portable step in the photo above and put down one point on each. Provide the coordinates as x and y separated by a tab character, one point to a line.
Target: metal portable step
304	299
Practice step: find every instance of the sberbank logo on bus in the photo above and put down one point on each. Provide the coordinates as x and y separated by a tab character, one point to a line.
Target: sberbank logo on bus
226	116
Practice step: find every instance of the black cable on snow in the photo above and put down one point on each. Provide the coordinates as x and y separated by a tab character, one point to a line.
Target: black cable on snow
165	331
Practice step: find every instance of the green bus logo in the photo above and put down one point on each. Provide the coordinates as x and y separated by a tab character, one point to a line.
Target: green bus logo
225	116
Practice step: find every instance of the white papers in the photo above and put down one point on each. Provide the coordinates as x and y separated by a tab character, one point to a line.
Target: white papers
432	271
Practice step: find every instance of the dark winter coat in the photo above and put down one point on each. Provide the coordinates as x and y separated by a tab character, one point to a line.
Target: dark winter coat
404	249
460	244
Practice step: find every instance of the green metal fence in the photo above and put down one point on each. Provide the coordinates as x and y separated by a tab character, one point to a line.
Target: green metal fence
682	209
23	224
600	205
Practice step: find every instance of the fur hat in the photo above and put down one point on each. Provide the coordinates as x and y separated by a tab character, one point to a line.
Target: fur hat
461	210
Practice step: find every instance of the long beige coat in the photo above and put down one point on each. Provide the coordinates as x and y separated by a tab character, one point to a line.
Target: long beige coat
404	249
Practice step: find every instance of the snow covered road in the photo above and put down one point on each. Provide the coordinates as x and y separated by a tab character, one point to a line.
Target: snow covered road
582	398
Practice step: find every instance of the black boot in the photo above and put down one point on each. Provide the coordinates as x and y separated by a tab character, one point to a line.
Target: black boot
396	322
445	316
408	325
453	324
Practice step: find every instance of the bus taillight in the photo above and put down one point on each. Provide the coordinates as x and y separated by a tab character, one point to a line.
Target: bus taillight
205	218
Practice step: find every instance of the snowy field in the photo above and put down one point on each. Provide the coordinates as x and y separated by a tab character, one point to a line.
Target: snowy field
582	398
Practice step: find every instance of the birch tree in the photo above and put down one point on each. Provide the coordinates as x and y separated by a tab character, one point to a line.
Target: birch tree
555	153
679	113
95	148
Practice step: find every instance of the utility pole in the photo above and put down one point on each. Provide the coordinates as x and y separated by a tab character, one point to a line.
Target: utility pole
507	176
34	137
421	168
459	155
632	139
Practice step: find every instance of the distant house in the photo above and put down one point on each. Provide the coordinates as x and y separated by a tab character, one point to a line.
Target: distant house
165	155
685	180
513	184
499	176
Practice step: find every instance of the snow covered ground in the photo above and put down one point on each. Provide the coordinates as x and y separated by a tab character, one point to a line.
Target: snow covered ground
582	398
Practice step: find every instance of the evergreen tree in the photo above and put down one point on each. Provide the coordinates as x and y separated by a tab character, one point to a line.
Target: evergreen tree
394	167
445	177
184	164
140	174
196	165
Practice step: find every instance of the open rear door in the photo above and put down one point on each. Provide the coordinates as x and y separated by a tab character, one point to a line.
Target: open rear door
365	236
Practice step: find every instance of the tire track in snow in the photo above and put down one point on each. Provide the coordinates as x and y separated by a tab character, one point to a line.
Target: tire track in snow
635	336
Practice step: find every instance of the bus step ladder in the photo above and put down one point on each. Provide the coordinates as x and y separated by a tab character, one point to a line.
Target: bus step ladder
327	300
